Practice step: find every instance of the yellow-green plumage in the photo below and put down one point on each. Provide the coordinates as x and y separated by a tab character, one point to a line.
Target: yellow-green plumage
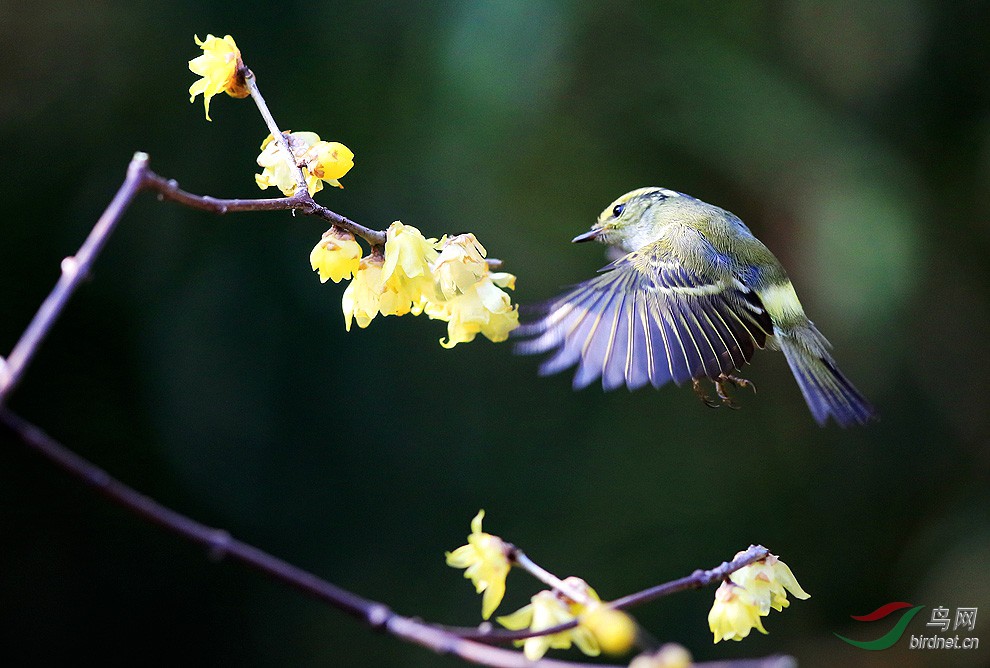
694	297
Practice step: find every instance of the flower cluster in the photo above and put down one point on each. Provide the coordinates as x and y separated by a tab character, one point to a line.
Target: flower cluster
320	161
552	608
596	626
448	279
221	69
748	595
469	296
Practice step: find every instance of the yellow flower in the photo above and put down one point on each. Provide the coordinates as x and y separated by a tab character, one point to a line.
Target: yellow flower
614	630
362	298
468	294
460	264
319	160
767	581
486	563
279	169
406	272
222	70
329	161
548	609
483	308
670	655
337	256
734	613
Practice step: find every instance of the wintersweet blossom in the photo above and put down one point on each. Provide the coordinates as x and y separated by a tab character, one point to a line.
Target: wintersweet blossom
734	614
279	170
460	264
337	256
363	296
406	271
449	279
483	308
614	630
328	161
767	581
221	69
320	161
548	609
484	558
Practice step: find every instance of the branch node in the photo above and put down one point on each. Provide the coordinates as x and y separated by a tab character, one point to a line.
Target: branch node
219	545
378	616
70	266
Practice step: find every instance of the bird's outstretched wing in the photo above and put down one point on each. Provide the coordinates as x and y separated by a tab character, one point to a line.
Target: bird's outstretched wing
648	319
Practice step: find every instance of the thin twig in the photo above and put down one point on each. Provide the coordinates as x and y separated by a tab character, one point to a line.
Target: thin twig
280	141
168	189
74	270
546	577
696	580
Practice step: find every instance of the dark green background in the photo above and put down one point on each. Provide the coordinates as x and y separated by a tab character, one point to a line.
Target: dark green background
206	365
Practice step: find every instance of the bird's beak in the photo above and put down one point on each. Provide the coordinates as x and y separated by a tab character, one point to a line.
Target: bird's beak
590	235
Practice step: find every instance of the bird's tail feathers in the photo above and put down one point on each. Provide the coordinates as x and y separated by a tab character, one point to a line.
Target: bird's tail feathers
827	391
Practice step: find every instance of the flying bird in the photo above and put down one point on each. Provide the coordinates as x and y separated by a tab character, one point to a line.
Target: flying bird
693	297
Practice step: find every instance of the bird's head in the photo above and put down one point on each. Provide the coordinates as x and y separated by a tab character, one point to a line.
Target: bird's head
635	219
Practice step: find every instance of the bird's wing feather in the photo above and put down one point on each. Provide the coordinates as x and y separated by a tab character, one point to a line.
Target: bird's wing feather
648	319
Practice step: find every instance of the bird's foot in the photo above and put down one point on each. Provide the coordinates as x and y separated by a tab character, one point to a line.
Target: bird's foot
724	395
701	394
721	390
737	381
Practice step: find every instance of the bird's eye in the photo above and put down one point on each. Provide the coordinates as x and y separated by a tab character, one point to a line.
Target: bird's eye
618	209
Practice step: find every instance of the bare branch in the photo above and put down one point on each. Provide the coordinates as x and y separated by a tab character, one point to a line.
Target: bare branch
696	580
74	269
168	189
283	145
519	557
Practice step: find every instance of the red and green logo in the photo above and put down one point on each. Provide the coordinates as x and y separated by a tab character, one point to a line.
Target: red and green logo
891	636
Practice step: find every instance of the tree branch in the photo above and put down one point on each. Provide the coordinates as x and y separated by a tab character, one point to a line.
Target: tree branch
74	269
221	545
696	580
301	201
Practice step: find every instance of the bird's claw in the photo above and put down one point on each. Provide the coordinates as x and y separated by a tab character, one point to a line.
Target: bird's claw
724	395
721	390
701	394
737	381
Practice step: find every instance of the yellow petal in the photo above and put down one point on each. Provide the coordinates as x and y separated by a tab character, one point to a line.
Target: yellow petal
518	620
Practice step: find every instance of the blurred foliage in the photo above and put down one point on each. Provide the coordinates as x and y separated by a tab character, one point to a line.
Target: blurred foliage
206	364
